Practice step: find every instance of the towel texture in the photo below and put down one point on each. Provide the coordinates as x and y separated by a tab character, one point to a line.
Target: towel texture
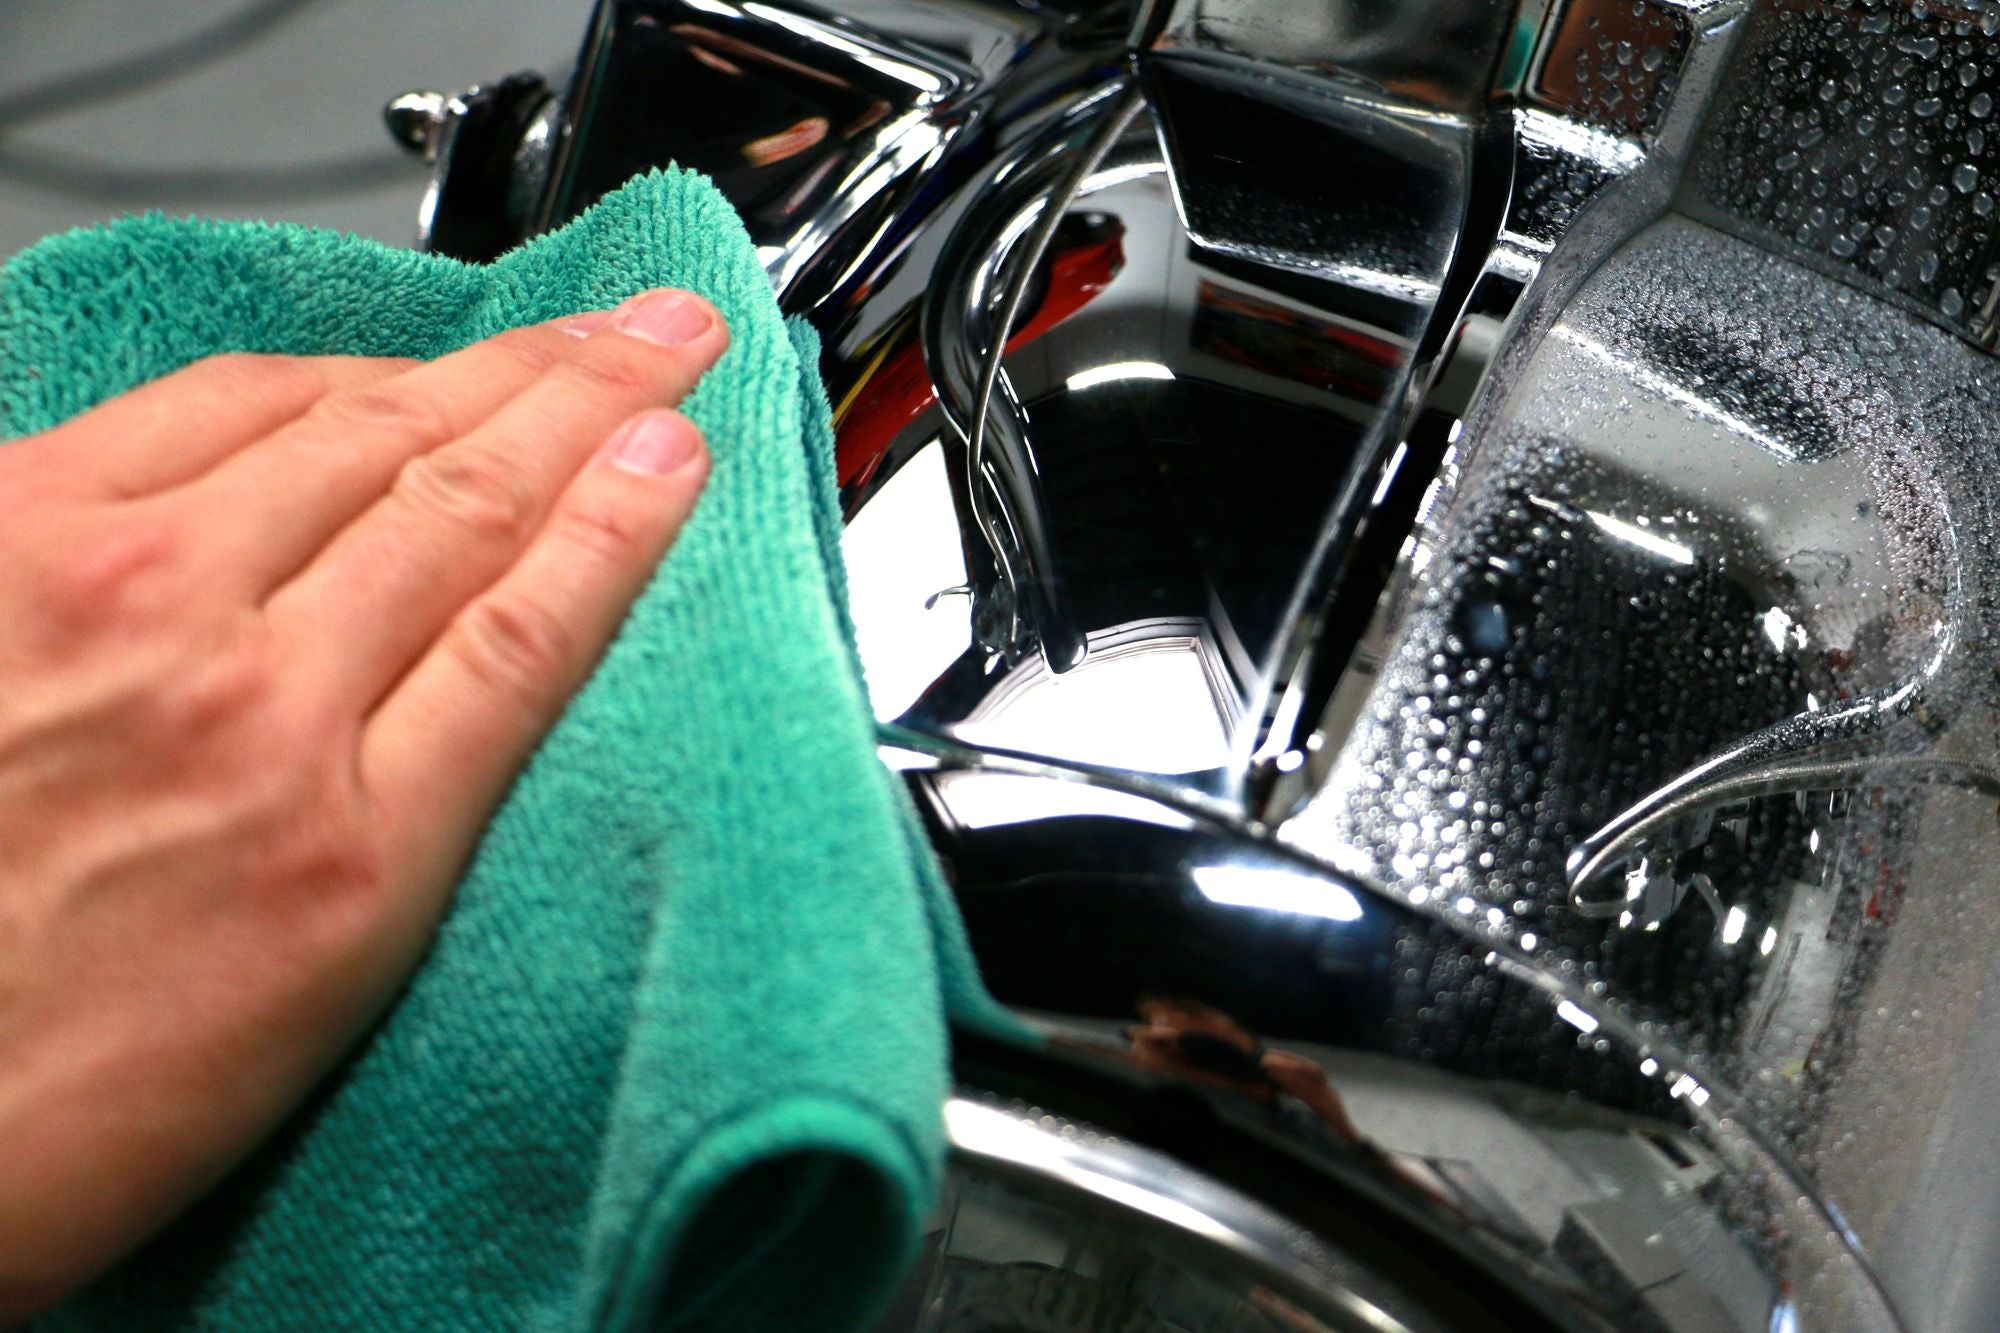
677	1056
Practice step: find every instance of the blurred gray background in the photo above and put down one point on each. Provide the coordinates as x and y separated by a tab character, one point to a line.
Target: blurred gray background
286	125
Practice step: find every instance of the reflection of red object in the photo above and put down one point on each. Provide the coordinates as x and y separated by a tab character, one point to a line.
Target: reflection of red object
1886	896
786	143
899	389
1582	77
1240	326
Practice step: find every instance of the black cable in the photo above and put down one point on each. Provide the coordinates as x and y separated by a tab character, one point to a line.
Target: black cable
115	183
129	74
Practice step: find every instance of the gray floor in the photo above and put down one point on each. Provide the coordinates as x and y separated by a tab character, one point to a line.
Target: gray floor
288	127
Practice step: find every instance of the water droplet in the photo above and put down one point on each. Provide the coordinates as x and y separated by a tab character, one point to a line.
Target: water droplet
1952	303
1965	179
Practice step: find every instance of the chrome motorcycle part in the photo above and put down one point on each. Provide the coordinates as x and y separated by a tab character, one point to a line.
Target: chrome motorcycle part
415	120
1428	567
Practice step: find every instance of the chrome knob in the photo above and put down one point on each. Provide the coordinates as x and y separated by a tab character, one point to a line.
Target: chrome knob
416	121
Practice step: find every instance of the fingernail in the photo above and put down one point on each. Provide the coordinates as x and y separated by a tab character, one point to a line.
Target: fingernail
668	318
653	444
585	324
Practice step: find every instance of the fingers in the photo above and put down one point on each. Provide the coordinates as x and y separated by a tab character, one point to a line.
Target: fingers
176	428
457	517
269	509
477	704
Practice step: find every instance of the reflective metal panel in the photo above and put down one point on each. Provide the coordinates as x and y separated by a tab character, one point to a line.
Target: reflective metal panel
1195	416
1863	139
1049	1224
1441	54
1427	567
1730	526
1486	1134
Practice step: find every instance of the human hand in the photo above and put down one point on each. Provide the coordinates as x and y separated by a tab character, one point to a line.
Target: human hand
1307	1082
278	633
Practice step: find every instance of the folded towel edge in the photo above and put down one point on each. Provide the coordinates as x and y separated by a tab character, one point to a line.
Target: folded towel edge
805	1155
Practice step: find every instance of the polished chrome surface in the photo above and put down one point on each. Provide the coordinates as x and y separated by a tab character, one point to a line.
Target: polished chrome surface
1421	1064
1441	54
533	160
414	121
822	127
1724	542
1435	597
1049	1224
969	319
490	148
1863	139
1209	400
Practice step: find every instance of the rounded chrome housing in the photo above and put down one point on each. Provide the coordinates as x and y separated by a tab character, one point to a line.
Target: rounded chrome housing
1426	565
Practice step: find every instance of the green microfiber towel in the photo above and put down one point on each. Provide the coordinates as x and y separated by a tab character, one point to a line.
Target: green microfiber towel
678	1054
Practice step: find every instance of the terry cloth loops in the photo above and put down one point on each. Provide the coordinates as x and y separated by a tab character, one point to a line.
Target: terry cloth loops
678	1054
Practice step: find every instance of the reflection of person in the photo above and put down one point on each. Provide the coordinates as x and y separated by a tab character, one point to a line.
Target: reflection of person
1201	1042
279	631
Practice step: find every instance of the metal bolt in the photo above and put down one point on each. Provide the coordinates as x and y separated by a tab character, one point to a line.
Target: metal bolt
415	121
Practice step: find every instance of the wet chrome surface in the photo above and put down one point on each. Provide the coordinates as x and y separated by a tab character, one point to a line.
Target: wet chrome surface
1865	140
1751	868
1430	569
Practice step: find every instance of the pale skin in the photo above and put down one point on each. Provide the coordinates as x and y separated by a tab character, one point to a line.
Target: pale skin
279	632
